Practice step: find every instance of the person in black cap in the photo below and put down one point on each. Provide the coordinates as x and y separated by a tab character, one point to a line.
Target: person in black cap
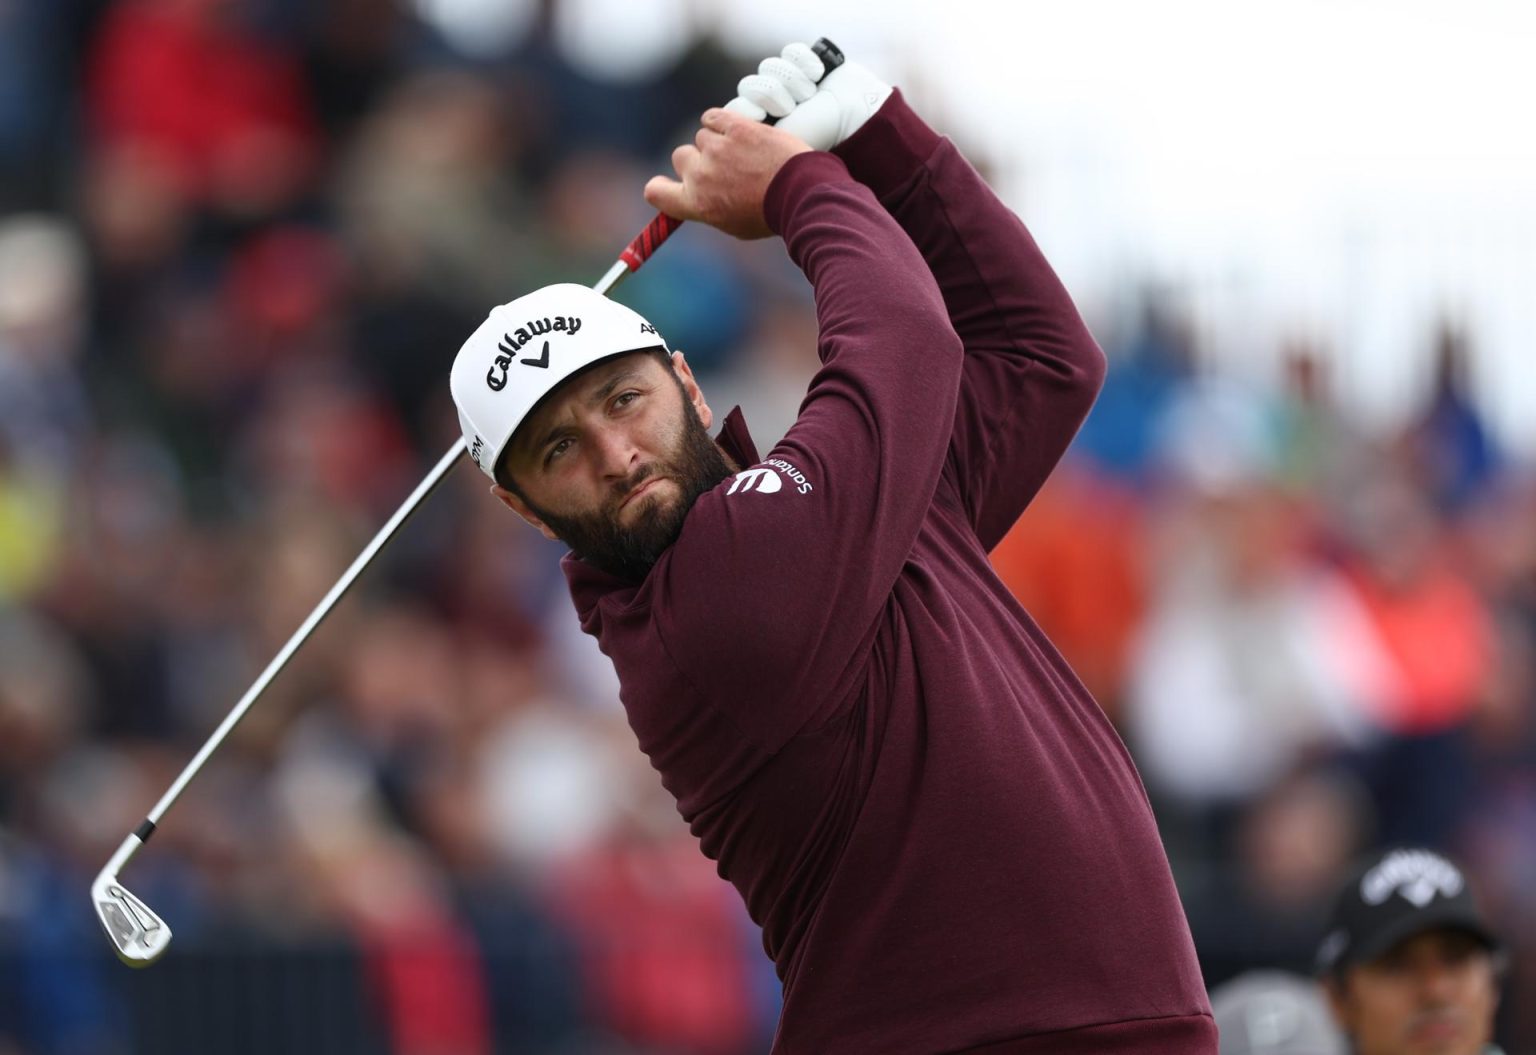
1409	964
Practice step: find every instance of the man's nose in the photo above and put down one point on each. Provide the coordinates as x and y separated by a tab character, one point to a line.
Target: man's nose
1436	982
618	454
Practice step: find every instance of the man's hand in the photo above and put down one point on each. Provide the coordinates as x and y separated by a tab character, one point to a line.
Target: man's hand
821	107
724	175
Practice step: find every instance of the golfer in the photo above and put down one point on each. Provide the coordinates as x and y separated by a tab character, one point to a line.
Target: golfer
944	841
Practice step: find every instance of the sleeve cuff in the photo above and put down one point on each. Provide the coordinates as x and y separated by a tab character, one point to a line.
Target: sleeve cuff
892	145
798	176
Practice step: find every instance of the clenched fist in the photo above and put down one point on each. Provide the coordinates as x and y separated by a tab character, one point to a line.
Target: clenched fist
724	175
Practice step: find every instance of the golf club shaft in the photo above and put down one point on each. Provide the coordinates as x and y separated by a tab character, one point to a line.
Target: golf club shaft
138	934
634	255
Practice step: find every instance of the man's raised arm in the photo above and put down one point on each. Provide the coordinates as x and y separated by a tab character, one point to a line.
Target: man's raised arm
805	570
1032	370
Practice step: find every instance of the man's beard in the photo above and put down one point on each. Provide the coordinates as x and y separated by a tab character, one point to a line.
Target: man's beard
629	552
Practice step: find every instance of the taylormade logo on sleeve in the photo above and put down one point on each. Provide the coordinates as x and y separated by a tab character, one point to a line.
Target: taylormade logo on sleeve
766	479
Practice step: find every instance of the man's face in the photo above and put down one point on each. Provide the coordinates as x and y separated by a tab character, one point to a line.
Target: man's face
613	462
1433	994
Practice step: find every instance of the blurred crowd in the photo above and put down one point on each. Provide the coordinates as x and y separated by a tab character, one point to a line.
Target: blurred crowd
240	241
1317	639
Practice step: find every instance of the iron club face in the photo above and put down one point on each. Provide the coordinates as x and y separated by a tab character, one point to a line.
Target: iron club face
138	935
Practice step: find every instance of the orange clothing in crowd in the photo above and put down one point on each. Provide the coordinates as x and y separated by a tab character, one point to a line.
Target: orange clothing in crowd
1438	637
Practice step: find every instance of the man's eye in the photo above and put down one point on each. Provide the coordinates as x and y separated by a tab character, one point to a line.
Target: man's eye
557	450
624	399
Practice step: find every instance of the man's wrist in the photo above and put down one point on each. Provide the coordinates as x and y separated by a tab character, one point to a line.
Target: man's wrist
890	147
795	179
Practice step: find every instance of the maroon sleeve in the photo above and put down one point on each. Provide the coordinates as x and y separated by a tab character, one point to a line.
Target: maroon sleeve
1032	370
776	582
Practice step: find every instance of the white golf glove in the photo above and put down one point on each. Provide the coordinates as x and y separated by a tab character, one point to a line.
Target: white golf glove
823	114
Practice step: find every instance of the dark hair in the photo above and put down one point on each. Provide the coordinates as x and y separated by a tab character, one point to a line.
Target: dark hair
503	476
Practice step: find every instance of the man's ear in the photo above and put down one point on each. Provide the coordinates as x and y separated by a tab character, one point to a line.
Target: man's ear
691	389
518	506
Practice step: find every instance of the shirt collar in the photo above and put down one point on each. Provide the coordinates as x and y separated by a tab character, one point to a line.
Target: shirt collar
736	441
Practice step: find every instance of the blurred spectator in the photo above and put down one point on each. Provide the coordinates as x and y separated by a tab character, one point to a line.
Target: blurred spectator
770	368
138	216
423	965
1496	843
1437	639
1263	905
1253	655
35	67
46	699
1451	446
1408	961
529	961
352	51
664	967
45	417
320	435
193	85
119	551
1146	371
1322	454
428	193
1274	1013
553	784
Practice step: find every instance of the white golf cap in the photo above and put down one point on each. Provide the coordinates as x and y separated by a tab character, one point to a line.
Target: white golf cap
525	349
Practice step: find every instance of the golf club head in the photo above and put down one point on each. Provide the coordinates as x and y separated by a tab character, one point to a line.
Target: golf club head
138	935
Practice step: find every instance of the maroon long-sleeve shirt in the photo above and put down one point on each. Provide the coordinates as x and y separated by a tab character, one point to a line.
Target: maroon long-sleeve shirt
945	842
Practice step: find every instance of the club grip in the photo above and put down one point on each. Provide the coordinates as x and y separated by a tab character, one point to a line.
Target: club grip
831	57
647	241
830	54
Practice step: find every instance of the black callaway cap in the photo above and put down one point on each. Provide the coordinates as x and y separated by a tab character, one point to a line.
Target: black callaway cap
1401	893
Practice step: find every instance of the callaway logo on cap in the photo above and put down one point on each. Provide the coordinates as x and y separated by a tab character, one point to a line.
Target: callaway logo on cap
525	349
1402	893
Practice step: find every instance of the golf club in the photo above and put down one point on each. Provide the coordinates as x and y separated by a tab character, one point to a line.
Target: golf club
136	932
